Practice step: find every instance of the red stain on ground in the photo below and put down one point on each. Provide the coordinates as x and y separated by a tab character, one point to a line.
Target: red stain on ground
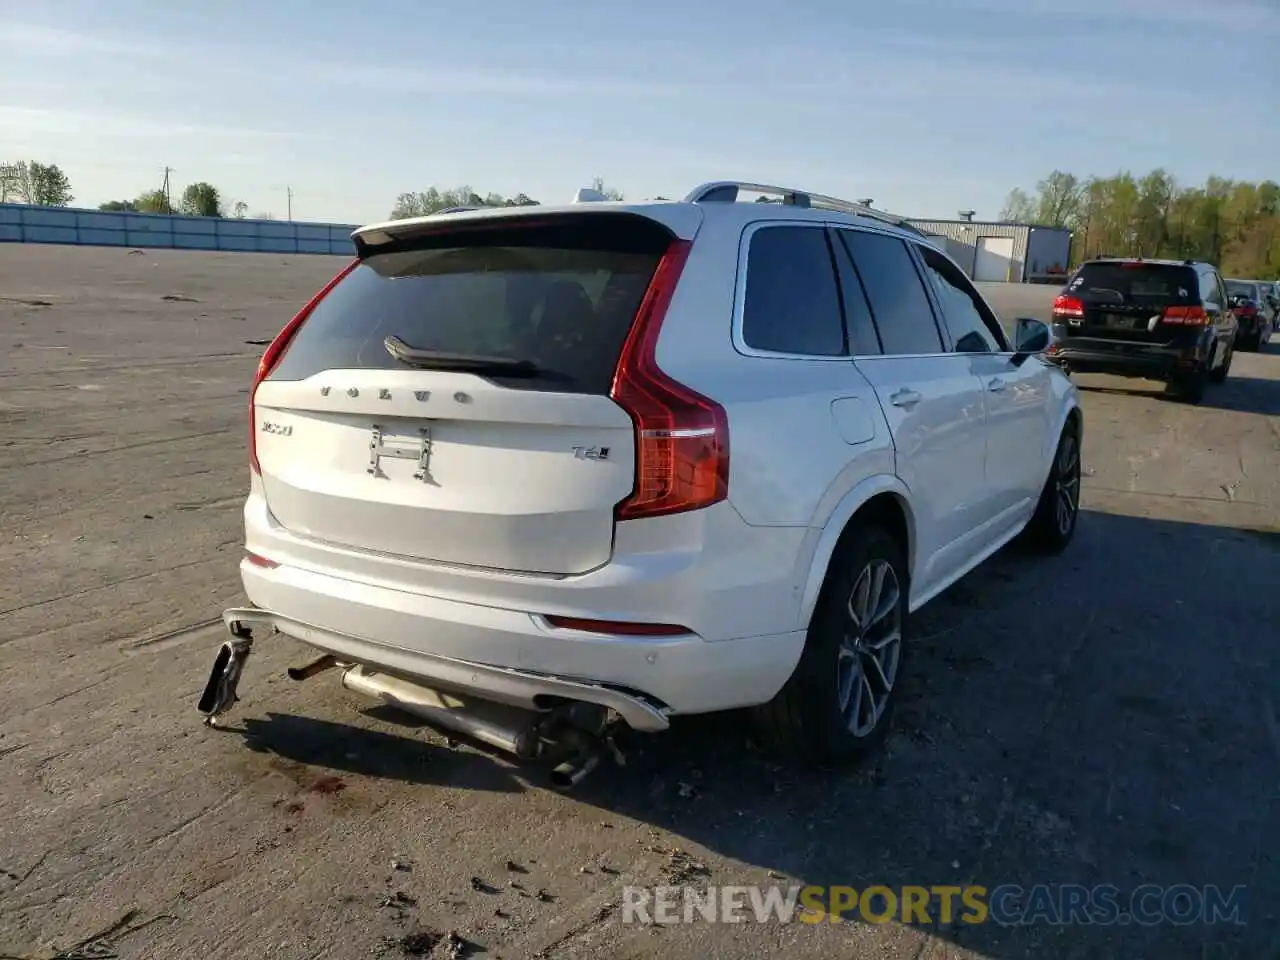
329	785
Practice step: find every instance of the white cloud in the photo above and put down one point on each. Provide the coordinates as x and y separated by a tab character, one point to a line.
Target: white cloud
37	40
1226	16
28	121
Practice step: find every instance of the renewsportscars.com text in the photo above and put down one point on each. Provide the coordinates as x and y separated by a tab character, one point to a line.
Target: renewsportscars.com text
1004	905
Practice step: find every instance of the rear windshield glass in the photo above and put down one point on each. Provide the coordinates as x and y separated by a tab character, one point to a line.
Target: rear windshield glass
1237	289
1135	283
560	296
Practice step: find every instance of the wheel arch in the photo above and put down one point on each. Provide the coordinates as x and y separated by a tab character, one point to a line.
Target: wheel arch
882	499
1071	414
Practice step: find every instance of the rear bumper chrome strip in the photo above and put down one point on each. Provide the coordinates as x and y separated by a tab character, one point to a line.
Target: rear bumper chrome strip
500	684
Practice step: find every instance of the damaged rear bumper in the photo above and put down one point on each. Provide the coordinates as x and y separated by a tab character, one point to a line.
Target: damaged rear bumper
502	685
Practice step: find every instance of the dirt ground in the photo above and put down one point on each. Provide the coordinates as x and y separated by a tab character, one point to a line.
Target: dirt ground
1108	716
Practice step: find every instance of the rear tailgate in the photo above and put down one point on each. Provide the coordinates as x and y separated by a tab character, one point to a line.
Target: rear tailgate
480	462
1127	300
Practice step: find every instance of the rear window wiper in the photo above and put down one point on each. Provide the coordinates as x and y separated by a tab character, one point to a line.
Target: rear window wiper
470	362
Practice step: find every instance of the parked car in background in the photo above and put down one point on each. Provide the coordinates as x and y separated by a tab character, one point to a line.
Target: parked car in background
1253	304
507	474
1159	319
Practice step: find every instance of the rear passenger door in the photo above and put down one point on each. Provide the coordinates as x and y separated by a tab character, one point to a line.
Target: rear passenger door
805	423
932	400
1019	421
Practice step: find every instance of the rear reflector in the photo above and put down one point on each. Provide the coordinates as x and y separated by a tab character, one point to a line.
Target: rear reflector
618	628
1186	316
258	560
1065	306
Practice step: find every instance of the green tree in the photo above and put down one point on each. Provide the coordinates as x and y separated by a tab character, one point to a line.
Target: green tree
50	186
433	200
1234	224
119	206
153	201
1018	207
201	200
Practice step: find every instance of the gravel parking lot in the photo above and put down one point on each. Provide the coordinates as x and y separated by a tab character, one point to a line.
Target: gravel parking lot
1108	716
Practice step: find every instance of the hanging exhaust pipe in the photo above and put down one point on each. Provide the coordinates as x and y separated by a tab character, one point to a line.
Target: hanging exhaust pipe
309	670
587	751
572	772
506	728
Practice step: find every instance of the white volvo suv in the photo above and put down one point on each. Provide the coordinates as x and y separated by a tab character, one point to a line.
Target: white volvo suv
543	473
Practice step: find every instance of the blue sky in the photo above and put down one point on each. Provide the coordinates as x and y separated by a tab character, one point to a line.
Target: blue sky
927	106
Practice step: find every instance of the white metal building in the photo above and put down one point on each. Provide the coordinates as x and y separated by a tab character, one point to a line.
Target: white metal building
1009	252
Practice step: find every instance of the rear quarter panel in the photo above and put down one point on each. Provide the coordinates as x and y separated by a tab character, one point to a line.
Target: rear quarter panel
795	426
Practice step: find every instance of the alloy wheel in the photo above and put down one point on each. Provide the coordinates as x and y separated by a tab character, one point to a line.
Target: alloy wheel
871	650
1067	484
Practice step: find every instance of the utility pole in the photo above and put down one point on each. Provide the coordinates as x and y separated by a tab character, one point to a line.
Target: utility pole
289	194
164	189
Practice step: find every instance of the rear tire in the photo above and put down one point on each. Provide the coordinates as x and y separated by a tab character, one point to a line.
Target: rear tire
838	704
1189	387
1053	526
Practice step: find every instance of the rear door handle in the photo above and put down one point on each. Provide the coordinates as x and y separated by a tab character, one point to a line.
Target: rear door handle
906	397
995	384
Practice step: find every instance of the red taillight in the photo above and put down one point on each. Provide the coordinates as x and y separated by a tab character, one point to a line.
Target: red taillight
271	357
1186	316
1246	311
1065	306
682	438
618	628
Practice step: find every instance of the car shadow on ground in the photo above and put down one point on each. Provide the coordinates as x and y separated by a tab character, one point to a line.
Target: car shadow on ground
358	751
1102	717
1237	393
1105	717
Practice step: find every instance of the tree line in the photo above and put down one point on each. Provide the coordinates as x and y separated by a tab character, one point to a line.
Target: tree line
47	185
433	200
1234	224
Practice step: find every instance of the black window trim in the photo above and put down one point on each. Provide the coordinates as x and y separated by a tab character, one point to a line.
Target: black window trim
740	295
842	262
1003	347
944	335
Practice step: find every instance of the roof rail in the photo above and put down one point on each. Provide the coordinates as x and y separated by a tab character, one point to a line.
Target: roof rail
455	210
728	191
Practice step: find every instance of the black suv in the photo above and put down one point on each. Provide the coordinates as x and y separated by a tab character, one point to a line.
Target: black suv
1160	319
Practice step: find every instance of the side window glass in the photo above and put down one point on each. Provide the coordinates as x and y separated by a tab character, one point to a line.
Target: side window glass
899	304
972	326
1208	287
863	339
792	304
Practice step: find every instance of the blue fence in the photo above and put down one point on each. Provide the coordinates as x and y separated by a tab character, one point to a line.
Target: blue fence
20	223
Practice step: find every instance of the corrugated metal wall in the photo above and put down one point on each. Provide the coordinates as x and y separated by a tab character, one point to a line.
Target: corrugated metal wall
20	223
1036	249
964	237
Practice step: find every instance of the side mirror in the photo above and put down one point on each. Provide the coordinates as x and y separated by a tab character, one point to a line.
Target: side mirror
1031	336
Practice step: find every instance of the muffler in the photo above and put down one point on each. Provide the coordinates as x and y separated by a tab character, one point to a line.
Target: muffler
498	725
